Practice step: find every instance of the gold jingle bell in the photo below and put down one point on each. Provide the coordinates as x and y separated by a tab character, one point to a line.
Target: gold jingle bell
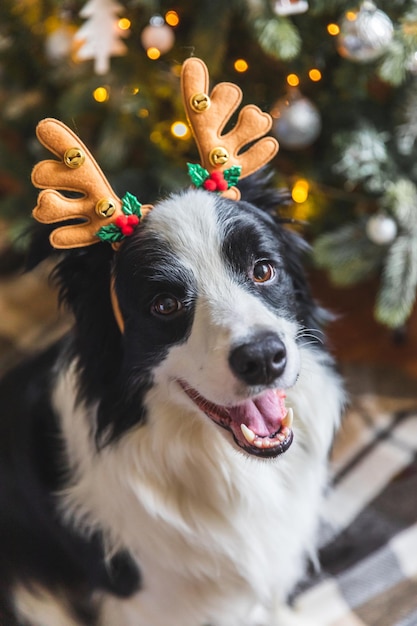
74	157
105	207
218	156
200	102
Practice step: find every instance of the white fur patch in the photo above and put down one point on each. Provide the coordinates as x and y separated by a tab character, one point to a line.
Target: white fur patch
37	607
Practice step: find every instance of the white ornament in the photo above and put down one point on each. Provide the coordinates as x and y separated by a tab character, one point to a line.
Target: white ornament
157	35
366	34
59	43
297	122
290	7
100	36
381	229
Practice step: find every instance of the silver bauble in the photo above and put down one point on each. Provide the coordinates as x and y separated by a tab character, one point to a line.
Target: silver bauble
367	36
381	229
157	35
59	43
297	122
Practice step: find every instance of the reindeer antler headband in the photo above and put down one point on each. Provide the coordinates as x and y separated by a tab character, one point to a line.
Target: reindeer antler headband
99	213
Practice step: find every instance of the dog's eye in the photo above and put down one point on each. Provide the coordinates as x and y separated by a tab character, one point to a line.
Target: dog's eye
165	304
263	272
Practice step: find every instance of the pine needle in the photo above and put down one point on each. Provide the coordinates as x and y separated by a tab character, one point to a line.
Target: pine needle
398	283
348	255
278	37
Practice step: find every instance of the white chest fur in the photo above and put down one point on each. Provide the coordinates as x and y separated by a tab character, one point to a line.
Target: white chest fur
215	532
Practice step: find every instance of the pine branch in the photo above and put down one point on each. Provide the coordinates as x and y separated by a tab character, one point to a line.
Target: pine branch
364	156
393	68
406	132
398	283
348	255
278	37
401	200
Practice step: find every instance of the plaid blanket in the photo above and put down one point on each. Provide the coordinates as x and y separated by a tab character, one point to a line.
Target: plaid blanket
368	553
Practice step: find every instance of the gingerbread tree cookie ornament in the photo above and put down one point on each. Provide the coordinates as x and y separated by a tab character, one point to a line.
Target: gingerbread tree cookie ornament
225	157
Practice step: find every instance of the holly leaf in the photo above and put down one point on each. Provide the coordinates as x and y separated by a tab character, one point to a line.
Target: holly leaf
131	205
232	175
197	173
110	233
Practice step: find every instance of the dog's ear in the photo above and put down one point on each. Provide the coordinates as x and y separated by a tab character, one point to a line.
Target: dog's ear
259	190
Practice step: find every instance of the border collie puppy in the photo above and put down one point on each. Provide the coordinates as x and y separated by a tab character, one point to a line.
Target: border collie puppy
171	474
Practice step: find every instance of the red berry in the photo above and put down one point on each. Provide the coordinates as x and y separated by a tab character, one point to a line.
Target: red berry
210	185
222	185
127	230
132	220
217	175
121	221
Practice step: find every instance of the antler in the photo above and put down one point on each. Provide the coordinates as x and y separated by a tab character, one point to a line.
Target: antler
208	115
76	171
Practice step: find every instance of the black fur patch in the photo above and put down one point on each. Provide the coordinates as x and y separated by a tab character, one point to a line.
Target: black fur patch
35	546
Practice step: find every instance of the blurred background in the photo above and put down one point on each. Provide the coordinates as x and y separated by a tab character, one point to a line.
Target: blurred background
338	77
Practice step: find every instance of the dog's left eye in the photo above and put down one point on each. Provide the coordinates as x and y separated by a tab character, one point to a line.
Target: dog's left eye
263	271
165	305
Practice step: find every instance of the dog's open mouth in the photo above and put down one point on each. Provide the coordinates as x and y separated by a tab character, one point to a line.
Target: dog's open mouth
261	426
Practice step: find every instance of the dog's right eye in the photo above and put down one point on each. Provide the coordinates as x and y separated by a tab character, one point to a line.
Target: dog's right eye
165	304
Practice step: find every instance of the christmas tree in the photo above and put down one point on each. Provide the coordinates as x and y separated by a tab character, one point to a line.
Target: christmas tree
339	78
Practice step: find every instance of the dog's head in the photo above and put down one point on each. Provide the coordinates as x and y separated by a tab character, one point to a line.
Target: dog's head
208	293
213	302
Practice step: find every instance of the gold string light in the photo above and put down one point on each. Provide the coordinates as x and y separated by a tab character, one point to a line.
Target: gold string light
101	94
241	65
293	80
333	29
299	192
172	18
315	74
180	130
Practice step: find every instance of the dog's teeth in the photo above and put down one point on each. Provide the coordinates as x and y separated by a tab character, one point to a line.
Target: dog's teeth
288	419
261	442
248	434
284	432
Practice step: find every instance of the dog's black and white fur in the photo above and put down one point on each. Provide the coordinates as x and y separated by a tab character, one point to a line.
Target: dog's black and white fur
129	495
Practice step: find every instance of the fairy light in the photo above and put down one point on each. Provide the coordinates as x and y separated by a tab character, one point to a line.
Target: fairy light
153	53
124	23
180	130
101	94
300	190
172	18
241	65
143	113
315	74
351	16
155	136
333	29
176	69
293	80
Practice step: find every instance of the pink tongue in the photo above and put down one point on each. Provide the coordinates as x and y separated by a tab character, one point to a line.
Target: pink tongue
263	414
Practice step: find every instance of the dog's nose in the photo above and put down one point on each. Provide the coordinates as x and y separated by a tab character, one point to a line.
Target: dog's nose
260	361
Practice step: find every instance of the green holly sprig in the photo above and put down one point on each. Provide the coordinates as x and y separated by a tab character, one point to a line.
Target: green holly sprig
124	225
218	180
